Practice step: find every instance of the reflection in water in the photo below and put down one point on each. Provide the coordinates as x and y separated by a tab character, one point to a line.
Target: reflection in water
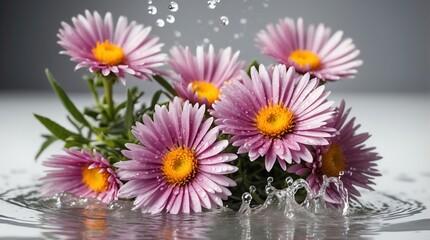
68	217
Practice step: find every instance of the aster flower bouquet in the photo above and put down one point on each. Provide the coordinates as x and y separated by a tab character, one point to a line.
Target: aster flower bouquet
215	128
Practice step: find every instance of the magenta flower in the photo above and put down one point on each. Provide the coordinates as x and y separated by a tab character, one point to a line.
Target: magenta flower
82	174
95	43
178	167
347	156
199	78
274	115
313	50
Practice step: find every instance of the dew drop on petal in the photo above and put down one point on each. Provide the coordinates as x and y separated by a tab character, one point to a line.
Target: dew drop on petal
173	6
224	20
170	19
160	22
152	10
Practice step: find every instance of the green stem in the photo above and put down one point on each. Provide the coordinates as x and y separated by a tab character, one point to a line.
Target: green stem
107	85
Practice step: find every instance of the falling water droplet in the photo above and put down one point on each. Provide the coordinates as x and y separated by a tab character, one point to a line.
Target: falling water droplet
160	22
170	19
152	10
177	34
173	6
224	20
149	1
243	20
212	4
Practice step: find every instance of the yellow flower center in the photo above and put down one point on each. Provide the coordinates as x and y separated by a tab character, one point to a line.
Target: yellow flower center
98	182
205	90
305	59
108	53
333	161
179	166
274	120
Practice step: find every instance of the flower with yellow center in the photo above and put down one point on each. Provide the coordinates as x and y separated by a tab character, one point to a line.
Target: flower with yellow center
274	120
94	179
179	166
333	161
305	59
205	90
108	53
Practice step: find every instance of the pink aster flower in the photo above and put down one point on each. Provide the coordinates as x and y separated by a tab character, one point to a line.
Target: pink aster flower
95	43
325	56
199	78
346	156
178	167
274	115
82	174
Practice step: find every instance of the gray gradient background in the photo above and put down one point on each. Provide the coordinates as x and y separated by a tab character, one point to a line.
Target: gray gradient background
393	36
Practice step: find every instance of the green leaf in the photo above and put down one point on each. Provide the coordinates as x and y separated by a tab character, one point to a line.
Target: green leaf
68	104
49	140
164	83
55	128
253	64
155	98
128	115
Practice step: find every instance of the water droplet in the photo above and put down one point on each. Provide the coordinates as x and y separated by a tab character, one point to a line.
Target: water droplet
160	22
265	4
173	6
152	10
210	22
212	4
252	189
199	21
177	34
170	19
216	29
149	1
289	181
269	180
206	40
246	197
224	20
236	35
243	21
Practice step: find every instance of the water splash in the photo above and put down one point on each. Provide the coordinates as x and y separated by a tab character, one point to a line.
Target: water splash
170	19
152	10
160	22
173	6
224	20
286	201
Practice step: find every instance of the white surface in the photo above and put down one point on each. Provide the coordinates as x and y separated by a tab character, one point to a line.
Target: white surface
399	124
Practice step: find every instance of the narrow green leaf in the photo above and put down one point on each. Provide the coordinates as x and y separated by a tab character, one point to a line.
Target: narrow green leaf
49	140
155	98
68	104
55	128
253	64
128	115
164	83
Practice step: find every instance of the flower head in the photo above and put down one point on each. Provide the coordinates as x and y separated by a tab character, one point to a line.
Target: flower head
178	167
313	50
95	43
346	157
275	115
81	173
199	78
